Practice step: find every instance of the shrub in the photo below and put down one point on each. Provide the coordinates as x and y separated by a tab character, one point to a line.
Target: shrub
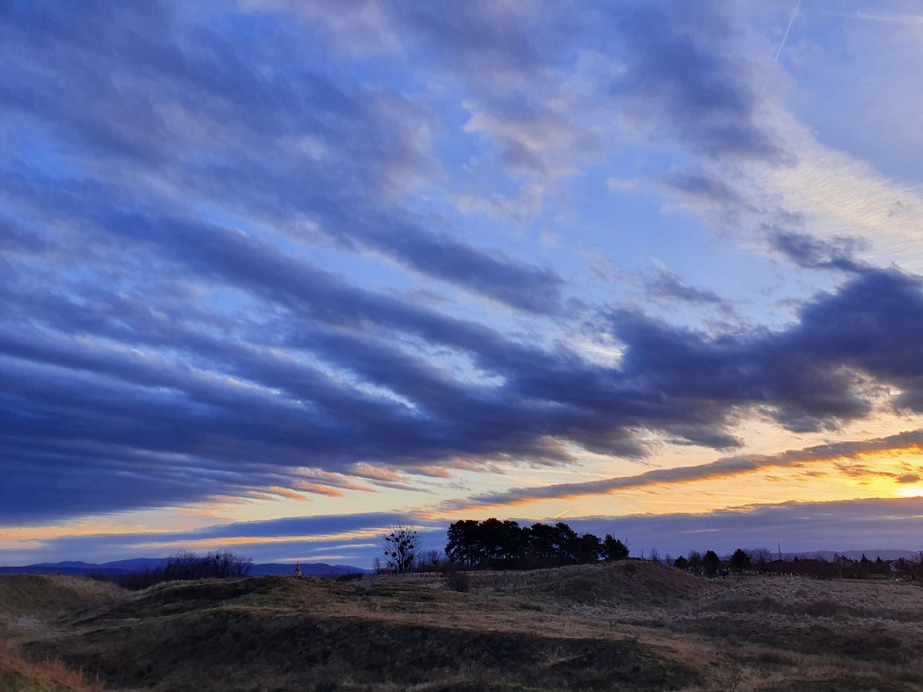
458	580
185	566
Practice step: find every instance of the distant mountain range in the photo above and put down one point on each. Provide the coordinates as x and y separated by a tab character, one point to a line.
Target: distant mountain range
309	569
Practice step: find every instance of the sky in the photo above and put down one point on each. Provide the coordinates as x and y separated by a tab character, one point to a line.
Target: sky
279	275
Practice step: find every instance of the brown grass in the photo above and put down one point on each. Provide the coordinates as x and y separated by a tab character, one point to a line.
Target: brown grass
17	673
48	595
630	625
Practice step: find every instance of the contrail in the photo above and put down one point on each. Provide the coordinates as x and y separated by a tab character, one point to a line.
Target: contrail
791	20
894	18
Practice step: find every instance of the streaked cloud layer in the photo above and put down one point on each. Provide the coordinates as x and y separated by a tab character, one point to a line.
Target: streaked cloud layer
278	261
908	444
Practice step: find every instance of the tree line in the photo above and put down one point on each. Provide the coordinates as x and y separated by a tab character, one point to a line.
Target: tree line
760	561
496	544
505	544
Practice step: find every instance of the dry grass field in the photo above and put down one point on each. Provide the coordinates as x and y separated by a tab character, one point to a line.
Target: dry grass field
628	625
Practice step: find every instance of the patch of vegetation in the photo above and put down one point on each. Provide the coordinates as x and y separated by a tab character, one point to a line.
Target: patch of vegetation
19	674
48	595
226	648
187	566
626	625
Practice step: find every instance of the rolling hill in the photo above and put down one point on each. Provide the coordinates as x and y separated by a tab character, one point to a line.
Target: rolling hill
628	625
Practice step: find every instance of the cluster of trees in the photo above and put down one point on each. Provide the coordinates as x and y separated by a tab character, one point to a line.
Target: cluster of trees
759	560
186	565
495	543
843	567
507	545
708	564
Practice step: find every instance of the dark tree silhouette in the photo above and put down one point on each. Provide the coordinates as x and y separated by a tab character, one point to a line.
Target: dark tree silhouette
401	546
740	560
614	549
186	565
465	546
695	561
711	563
588	549
495	543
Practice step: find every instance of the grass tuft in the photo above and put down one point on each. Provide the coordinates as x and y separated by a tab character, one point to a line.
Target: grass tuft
18	673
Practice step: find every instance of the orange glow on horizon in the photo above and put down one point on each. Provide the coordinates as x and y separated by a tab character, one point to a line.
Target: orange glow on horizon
866	475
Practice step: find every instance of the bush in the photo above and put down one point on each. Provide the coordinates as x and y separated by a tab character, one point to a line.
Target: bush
458	580
186	566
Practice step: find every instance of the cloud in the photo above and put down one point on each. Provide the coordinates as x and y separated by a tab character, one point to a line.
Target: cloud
838	196
681	67
703	186
230	266
889	18
876	524
813	253
355	537
665	285
841	203
360	27
308	526
116	387
722	468
281	143
747	161
806	377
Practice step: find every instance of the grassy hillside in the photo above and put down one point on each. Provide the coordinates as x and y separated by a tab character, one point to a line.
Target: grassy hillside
45	595
28	603
628	625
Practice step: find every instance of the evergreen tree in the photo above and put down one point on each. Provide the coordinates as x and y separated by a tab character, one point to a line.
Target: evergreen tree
614	549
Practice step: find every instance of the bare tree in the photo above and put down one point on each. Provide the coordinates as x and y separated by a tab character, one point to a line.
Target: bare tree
401	547
760	557
432	560
694	561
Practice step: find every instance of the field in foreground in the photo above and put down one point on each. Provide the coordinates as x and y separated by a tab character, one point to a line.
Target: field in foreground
628	625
